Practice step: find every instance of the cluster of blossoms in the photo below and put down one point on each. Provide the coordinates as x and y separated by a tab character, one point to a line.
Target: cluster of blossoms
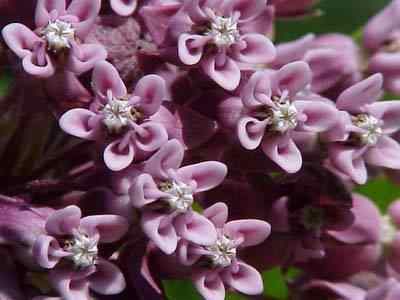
169	112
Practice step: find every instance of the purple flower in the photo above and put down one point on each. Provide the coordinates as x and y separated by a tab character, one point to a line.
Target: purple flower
275	109
218	264
292	8
59	38
76	241
223	37
123	7
381	37
363	131
120	120
334	60
165	193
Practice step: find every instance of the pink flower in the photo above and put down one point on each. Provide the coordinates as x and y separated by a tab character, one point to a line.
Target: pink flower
165	193
381	37
275	109
363	131
120	120
59	38
75	241
334	60
223	37
123	7
292	8
218	264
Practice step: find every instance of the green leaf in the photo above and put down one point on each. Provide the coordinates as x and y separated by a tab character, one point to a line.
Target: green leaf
180	290
381	191
275	284
343	16
5	82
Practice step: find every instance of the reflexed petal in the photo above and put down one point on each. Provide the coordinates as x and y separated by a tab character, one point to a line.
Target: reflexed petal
20	39
111	228
251	132
152	136
105	77
64	221
77	122
86	11
253	232
257	90
117	159
246	280
227	75
320	116
206	175
152	91
44	9
163	236
195	228
47	252
217	213
123	7
170	156
349	161
191	47
283	151
292	77
386	153
365	92
258	49
210	286
108	279
84	57
144	191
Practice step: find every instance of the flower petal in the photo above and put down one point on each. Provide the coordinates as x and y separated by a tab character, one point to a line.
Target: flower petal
283	151
217	213
388	112
64	221
185	253
320	116
123	7
117	159
254	48
349	161
394	212
144	191
195	228
365	92
108	279
79	122
206	175
257	90
292	77
69	289
20	39
246	279
163	236
44	8
226	75
83	57
343	290
152	136
105	77
47	252
251	132
191	47
386	153
210	286
86	11
111	228
152	91
252	231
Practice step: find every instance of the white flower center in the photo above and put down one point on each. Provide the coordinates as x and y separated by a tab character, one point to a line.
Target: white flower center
372	128
283	117
58	35
223	252
224	31
83	250
388	230
118	113
180	195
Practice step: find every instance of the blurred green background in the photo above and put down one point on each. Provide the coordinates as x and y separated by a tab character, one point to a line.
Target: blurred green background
345	16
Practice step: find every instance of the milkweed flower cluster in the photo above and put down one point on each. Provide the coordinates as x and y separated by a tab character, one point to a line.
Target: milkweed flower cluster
150	140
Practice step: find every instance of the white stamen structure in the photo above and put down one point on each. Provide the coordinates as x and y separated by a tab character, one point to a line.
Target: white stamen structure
58	35
372	127
83	250
224	31
283	117
117	114
180	197
388	230
223	252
